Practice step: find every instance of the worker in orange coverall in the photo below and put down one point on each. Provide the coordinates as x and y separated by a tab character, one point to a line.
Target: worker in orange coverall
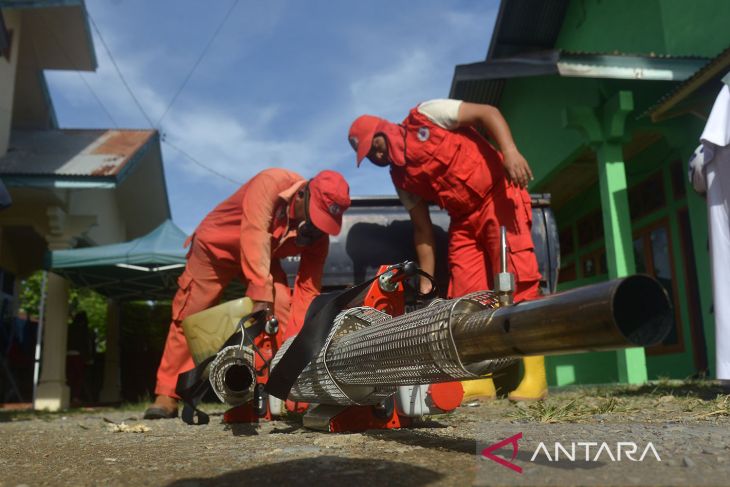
437	155
276	214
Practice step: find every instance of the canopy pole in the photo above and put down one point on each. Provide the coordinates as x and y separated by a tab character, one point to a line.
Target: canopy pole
39	335
111	388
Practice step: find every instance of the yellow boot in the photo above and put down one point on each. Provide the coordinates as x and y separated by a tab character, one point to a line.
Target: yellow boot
534	383
478	389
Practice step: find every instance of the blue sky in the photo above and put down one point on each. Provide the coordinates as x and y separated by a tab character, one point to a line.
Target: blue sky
278	87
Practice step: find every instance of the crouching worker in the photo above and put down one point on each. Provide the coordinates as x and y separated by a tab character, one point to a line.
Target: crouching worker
437	155
276	214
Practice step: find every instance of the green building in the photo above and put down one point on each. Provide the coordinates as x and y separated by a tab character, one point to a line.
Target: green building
606	100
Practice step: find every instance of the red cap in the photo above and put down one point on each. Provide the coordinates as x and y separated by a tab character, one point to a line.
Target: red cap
361	135
329	197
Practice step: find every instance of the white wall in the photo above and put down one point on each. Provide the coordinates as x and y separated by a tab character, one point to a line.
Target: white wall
143	197
102	203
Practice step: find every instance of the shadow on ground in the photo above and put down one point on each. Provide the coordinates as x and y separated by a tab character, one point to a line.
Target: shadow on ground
425	439
324	470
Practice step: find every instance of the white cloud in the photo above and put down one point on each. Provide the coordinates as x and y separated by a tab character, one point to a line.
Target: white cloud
225	144
389	93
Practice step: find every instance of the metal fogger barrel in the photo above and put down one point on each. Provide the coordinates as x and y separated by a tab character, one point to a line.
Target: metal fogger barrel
368	353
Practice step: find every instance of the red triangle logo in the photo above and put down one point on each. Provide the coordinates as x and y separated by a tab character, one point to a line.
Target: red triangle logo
512	440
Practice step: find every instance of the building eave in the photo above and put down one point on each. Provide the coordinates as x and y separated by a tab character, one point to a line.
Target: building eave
710	73
58	182
61	31
580	65
628	67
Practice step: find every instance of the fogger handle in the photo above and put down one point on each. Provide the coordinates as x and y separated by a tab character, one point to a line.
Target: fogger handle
504	281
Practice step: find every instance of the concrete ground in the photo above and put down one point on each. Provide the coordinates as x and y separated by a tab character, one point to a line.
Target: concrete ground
685	422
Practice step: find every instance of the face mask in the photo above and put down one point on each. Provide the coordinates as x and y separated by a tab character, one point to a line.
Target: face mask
381	164
395	136
307	232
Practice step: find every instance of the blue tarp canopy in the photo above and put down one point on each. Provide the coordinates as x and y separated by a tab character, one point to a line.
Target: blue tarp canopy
145	268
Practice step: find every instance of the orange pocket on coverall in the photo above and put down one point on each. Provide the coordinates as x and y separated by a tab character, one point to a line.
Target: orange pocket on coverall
182	296
521	246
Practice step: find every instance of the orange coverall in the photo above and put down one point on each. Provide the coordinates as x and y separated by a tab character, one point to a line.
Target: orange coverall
244	237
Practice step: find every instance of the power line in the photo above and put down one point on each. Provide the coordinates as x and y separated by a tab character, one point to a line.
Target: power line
141	109
129	89
119	72
98	100
194	160
200	58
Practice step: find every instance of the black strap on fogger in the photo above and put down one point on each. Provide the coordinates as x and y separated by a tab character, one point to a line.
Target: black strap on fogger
192	386
311	338
307	344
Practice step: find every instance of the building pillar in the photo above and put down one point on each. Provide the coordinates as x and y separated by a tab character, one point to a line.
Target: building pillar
111	386
615	209
604	128
619	243
52	392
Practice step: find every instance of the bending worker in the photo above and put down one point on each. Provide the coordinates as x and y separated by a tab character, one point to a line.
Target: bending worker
437	155
276	214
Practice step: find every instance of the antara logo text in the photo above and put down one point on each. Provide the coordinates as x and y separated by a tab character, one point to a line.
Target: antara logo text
589	451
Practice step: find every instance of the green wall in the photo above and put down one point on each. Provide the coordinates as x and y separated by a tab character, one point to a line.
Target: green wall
675	27
631	26
696	27
533	108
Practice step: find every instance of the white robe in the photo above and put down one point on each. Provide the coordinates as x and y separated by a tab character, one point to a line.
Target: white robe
716	140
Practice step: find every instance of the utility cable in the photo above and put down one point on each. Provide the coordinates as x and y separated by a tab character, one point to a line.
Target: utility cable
119	72
142	110
194	160
129	89
200	58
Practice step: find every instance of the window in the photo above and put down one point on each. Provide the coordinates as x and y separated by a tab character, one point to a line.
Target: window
647	196
567	273
653	255
566	241
594	264
590	228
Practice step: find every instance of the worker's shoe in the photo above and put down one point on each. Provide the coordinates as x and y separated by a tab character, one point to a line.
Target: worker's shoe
164	407
478	390
533	386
